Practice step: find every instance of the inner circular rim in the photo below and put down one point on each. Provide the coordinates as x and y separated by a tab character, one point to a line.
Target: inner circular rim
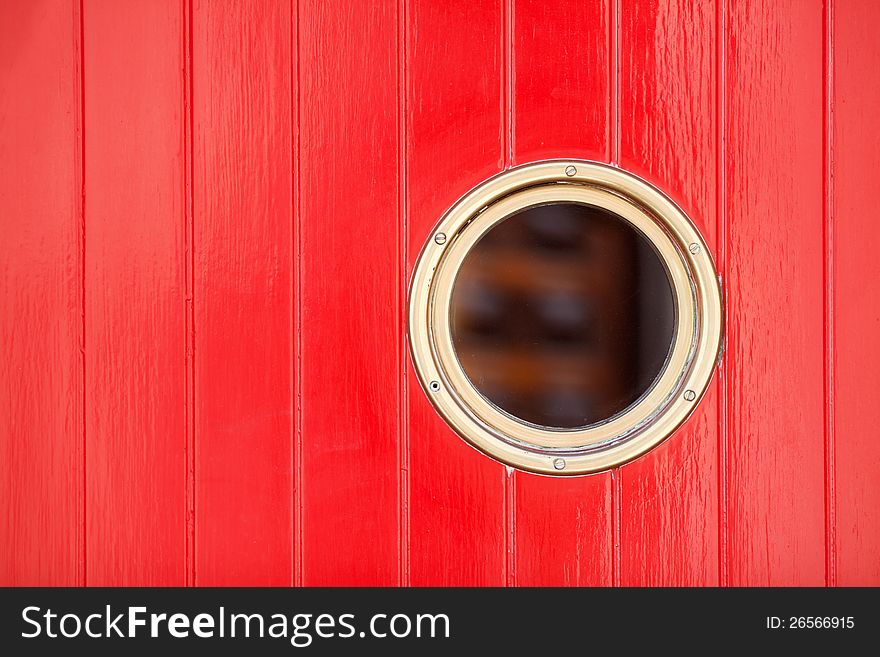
518	432
639	235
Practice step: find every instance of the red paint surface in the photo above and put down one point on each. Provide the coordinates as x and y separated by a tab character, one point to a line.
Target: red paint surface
775	358
243	277
349	268
853	271
135	293
209	219
41	377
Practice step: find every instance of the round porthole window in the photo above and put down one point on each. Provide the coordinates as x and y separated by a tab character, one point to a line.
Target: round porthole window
565	317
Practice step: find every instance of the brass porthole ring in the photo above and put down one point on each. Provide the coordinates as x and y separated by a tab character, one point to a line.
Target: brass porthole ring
692	356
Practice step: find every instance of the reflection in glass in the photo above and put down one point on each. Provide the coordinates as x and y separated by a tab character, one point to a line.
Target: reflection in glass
563	315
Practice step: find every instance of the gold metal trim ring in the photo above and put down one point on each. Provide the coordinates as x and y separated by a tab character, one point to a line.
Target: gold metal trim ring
642	426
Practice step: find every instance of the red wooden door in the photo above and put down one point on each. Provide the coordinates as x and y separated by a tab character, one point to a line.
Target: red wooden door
210	212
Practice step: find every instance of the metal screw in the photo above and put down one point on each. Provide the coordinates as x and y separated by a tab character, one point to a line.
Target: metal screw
434	386
569	171
694	248
559	464
440	238
690	395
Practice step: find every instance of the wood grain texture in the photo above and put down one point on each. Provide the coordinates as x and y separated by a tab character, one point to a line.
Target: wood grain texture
454	141
669	498
854	280
775	398
135	293
41	433
560	84
243	277
350	271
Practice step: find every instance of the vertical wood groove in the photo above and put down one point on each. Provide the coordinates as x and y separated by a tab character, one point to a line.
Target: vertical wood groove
297	232
507	83
614	87
721	231
614	157
403	251
616	499
507	158
509	475
294	296
79	31
828	234
189	348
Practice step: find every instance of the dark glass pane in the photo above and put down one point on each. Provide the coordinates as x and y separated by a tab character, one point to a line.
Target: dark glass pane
563	315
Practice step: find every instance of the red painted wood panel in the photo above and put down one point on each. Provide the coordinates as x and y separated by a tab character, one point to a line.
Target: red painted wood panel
351	294
210	213
243	292
559	80
854	279
41	433
453	106
668	87
774	292
135	293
